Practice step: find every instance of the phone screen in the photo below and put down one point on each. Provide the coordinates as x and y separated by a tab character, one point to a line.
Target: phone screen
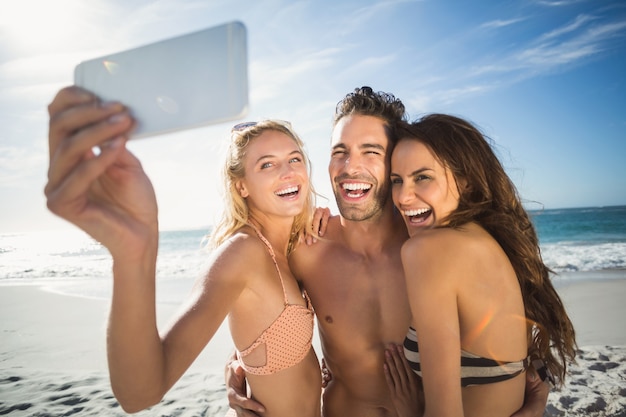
179	83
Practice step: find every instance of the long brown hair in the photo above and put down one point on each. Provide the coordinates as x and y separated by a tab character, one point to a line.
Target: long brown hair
491	200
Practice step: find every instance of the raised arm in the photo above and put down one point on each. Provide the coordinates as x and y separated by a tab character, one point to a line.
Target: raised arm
108	195
95	183
145	365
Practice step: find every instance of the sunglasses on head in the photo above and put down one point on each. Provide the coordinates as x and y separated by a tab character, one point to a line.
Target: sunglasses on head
246	125
243	126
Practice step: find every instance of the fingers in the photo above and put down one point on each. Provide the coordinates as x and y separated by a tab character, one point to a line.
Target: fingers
319	224
62	107
404	386
322	214
236	389
396	367
391	382
408	372
84	126
72	153
73	109
325	219
66	195
315	227
240	412
243	405
235	377
391	373
326	375
70	97
317	221
230	364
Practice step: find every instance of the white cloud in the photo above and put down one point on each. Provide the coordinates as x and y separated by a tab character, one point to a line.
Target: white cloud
362	16
576	24
558	3
501	23
270	76
373	10
367	65
582	44
456	94
554	50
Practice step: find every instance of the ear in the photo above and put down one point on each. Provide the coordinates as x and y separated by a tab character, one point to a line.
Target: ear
241	189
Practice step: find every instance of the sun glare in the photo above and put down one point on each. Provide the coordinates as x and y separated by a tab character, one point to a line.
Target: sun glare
42	25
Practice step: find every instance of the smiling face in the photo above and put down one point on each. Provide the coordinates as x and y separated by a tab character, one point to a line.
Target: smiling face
276	180
359	168
423	190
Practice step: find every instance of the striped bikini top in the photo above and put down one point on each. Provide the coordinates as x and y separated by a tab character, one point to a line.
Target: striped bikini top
288	339
475	370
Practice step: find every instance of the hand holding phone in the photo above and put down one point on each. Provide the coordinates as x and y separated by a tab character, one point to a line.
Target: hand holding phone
179	83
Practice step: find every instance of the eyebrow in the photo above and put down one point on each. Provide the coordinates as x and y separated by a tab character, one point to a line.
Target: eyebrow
363	146
262	157
412	174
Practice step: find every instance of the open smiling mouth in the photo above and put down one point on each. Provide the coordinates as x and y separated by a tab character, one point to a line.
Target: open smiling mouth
418	215
356	190
288	192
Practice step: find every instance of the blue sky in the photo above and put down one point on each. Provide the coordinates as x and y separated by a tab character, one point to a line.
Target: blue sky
545	79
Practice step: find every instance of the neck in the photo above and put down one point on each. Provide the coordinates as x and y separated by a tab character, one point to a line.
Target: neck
376	234
276	230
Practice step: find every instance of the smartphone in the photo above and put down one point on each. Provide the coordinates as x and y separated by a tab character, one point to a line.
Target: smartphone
184	82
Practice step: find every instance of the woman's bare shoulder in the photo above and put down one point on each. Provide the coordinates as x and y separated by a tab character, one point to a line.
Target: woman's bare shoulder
434	240
439	252
241	252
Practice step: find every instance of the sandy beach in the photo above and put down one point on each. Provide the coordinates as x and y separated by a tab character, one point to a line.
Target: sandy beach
53	359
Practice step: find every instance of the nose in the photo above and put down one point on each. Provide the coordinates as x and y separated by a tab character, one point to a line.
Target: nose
403	194
287	170
352	164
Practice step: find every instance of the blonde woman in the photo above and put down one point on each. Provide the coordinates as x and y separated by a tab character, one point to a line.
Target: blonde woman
268	198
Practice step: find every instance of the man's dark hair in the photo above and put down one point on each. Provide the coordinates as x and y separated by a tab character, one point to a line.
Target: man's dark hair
364	101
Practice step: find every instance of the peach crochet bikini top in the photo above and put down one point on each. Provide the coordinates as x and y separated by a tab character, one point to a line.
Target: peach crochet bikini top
288	339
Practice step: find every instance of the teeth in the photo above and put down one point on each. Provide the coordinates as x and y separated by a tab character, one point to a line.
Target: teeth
289	190
410	213
352	186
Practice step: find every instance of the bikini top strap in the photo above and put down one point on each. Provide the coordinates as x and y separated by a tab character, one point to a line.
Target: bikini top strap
271	251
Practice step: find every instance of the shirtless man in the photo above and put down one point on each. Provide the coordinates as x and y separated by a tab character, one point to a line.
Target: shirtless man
353	275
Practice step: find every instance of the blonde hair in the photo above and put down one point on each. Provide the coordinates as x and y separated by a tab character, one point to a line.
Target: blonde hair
236	214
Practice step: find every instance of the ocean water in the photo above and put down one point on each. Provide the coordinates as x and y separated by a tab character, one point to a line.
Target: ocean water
73	263
577	239
582	239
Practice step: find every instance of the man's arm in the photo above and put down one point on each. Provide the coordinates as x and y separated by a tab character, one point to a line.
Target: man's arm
535	396
236	390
